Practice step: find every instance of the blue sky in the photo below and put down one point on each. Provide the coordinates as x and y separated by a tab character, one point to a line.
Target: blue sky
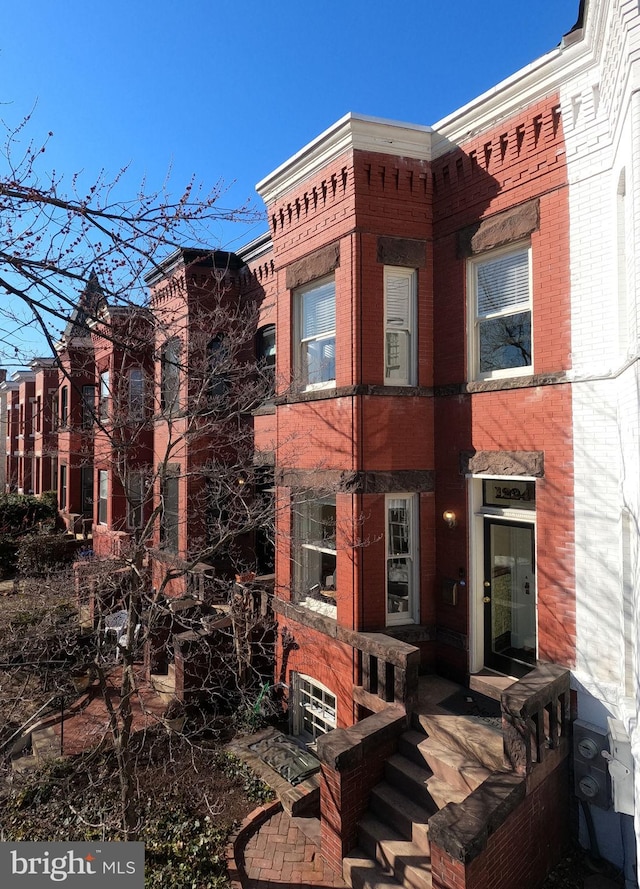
229	90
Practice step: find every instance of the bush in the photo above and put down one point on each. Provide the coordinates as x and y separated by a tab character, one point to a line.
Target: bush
8	556
23	513
40	554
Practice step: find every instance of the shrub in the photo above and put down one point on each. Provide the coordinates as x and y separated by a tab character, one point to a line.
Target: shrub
40	554
23	513
8	556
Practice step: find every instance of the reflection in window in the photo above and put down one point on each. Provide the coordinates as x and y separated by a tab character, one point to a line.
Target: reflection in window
316	554
503	312
316	307
170	378
400	559
136	393
266	357
315	708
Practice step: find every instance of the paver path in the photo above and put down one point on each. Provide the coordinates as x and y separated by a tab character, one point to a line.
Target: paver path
283	854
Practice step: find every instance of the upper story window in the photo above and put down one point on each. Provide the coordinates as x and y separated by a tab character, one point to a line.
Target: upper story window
88	406
105	394
315	533
316	325
136	393
217	370
400	315
500	285
266	357
170	378
135	498
64	406
170	517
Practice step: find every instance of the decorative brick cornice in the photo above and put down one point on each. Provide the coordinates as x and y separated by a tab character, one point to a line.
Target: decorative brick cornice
351	133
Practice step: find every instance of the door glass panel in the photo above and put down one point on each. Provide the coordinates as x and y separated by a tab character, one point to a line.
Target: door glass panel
511	588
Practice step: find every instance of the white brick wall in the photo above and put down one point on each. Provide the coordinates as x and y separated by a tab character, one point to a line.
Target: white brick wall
602	129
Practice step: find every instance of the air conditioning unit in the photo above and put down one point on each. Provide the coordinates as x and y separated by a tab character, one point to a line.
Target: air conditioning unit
590	773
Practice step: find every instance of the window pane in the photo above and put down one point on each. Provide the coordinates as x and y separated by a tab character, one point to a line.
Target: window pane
398	577
136	393
103	481
505	342
503	283
318	310
319	360
170	377
397	355
398	536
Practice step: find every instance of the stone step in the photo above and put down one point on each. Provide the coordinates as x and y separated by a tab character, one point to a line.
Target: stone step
45	744
25	763
456	768
420	785
467	735
360	872
409	819
408	864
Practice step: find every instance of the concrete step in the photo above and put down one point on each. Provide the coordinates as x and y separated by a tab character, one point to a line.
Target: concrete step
452	766
466	734
408	864
409	819
420	785
360	872
25	763
45	744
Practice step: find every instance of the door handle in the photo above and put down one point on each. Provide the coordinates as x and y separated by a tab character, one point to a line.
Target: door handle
486	599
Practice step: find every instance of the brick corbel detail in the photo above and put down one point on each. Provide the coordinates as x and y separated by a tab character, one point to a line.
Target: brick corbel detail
352	762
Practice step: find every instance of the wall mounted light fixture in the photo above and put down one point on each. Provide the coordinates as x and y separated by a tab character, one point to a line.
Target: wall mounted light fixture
450	518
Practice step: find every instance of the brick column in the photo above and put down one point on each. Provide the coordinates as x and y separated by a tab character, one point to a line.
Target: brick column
352	764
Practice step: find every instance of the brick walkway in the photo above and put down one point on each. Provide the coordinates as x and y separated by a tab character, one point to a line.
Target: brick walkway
284	852
87	722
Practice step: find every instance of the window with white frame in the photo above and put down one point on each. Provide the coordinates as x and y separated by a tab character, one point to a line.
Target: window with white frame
315	553
316	326
401	537
400	353
315	708
500	284
136	393
103	495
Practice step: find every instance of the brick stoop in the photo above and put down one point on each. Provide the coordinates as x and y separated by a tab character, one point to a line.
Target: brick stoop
430	770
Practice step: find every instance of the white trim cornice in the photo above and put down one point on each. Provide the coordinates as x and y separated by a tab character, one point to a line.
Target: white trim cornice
352	132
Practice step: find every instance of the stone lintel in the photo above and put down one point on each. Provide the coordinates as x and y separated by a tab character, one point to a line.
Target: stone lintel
502	228
406	252
507	463
314	266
